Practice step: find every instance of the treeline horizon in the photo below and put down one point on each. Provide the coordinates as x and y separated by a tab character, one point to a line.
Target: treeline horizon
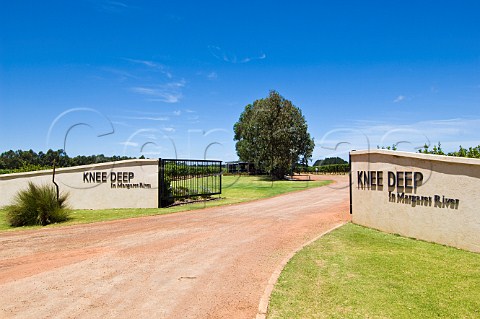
24	161
471	152
329	161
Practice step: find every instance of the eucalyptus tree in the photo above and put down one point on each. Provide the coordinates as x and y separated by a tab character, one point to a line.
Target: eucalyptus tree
273	134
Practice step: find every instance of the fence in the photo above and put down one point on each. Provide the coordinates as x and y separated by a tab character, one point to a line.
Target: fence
182	179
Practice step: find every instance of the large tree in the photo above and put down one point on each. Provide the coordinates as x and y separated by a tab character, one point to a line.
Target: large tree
272	134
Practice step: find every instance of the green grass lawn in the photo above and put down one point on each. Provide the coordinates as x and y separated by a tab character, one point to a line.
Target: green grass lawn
235	190
356	272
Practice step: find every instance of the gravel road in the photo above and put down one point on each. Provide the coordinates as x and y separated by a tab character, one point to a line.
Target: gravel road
211	263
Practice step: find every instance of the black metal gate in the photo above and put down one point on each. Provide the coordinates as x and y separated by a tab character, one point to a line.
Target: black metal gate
188	179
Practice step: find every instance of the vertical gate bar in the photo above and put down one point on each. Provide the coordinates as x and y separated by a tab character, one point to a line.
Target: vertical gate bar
350	179
160	183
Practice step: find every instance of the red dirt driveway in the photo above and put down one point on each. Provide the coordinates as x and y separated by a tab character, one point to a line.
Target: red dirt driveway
211	263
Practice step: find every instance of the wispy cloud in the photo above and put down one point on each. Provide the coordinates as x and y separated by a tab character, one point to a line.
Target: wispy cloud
229	57
169	129
116	4
177	113
212	75
122	75
407	137
112	6
145	90
128	143
145	113
148	135
153	153
260	57
167	98
147	118
399	98
121	123
168	93
152	65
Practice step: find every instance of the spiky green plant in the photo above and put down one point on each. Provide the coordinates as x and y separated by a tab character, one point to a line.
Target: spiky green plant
37	205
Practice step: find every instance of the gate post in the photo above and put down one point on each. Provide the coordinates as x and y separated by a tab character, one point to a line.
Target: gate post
350	179
161	182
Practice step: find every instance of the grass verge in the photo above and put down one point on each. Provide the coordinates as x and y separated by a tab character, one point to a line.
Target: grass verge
356	272
235	190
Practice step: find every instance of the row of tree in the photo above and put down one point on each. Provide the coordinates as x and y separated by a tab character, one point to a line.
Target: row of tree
330	161
23	161
330	165
330	169
173	171
472	152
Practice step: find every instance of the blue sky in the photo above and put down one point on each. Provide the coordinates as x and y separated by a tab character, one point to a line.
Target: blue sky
170	78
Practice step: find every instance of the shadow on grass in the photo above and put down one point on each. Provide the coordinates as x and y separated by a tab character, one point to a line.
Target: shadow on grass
269	178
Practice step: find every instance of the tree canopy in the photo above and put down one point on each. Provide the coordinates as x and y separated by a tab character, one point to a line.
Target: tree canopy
472	152
272	134
330	161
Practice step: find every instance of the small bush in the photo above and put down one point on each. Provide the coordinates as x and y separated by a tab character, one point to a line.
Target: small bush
166	194
37	205
206	191
181	191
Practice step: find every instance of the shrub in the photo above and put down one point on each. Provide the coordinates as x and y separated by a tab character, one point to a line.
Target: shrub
37	205
206	191
331	169
166	194
181	191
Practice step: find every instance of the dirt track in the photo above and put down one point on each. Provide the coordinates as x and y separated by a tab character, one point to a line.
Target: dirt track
212	263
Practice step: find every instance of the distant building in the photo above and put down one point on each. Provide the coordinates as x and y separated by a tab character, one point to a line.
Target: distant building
237	167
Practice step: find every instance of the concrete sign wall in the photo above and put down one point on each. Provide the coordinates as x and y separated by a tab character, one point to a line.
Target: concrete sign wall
123	184
430	197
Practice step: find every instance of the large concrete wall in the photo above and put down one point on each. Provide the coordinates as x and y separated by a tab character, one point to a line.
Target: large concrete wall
430	197
123	184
